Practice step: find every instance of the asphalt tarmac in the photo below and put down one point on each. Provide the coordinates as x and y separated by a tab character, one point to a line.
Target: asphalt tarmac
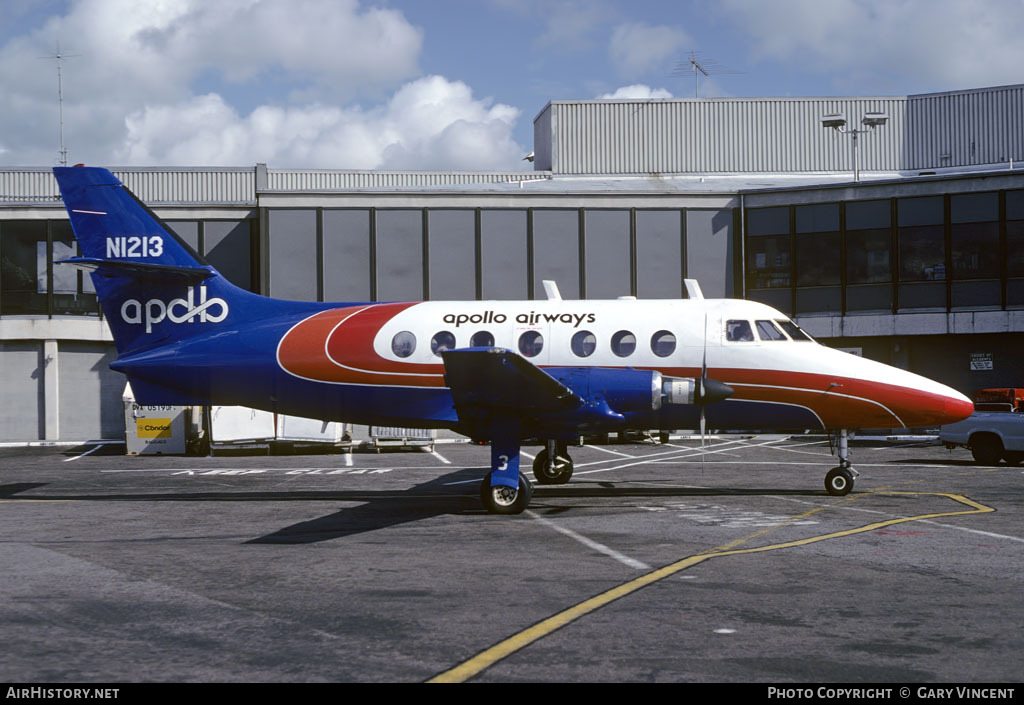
650	565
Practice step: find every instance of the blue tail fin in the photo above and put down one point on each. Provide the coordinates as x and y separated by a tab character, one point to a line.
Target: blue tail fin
152	286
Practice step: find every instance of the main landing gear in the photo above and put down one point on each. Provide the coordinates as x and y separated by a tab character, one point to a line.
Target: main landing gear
839	480
508	491
553	466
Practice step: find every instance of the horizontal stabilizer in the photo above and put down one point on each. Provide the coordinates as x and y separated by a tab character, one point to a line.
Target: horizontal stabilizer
139	270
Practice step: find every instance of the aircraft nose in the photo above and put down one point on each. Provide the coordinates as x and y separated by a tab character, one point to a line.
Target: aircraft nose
957	407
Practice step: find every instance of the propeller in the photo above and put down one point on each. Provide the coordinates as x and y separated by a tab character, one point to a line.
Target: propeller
708	391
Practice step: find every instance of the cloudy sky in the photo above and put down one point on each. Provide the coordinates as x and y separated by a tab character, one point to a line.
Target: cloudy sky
443	84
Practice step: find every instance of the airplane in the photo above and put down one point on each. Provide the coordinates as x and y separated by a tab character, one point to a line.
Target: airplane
503	372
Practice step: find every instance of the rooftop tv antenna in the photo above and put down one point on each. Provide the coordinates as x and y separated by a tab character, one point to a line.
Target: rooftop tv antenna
60	100
701	65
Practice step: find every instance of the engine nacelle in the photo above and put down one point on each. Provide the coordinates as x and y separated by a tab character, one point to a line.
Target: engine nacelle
625	390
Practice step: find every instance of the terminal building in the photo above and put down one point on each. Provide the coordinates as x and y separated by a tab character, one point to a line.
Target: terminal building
895	231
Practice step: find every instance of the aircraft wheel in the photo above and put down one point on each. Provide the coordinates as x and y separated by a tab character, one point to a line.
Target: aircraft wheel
1013	457
839	482
499	499
986	449
559	472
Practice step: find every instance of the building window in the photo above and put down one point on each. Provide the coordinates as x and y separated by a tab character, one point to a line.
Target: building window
817	245
922	239
24	278
769	265
974	235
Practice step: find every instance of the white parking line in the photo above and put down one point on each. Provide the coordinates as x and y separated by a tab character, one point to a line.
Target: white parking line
440	457
589	543
68	460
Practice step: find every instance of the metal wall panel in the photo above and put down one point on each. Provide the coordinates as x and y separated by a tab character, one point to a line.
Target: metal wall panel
781	135
197	185
303	180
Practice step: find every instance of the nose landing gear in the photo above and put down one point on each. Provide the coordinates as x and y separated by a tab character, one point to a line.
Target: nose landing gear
839	480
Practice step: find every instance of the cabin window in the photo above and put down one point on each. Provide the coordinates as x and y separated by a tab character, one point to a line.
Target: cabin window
793	330
623	343
531	343
442	341
482	339
583	343
738	331
663	343
769	331
403	344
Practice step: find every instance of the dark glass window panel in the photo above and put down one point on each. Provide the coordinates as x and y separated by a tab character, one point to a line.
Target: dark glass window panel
768	263
819	299
607	254
768	221
868	215
293	254
503	254
583	343
870	297
817	259
346	255
929	295
922	253
867	256
556	253
767	330
781	299
531	343
482	339
399	255
709	251
73	290
983	294
443	340
623	343
739	331
974	208
23	276
975	250
229	249
452	251
187	230
1015	248
914	212
1015	205
403	344
659	255
821	218
663	343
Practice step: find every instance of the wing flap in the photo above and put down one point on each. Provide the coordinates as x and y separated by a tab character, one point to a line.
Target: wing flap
493	379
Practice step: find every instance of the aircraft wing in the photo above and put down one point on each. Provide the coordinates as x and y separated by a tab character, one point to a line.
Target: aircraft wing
495	379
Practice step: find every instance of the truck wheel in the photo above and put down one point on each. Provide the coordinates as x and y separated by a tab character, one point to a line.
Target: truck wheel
1013	457
986	449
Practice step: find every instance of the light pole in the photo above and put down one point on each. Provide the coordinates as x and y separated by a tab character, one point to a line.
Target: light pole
838	123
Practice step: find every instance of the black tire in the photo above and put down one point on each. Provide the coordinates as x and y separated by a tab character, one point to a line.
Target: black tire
504	500
839	482
558	474
986	449
1013	457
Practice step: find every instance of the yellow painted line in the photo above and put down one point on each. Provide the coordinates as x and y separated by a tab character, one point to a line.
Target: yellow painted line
509	646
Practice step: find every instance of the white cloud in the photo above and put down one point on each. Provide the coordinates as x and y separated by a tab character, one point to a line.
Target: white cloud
638	48
324	83
910	45
637	91
430	123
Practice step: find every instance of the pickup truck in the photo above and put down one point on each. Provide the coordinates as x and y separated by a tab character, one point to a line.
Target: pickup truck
990	435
